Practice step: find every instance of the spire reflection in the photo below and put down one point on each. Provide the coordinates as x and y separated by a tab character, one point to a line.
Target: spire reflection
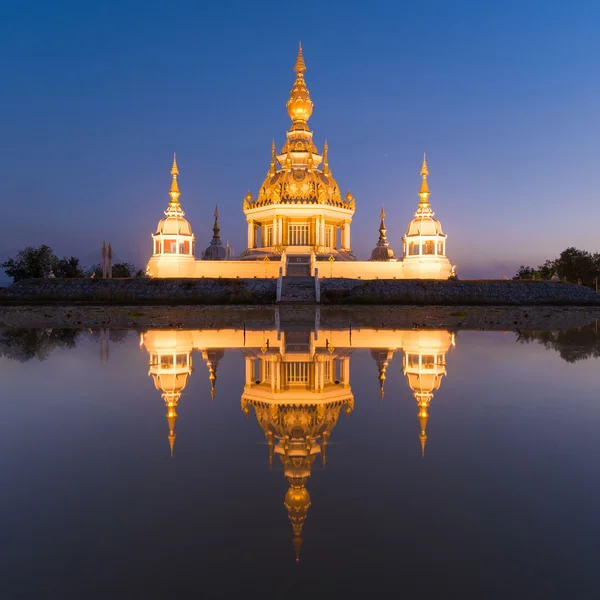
297	382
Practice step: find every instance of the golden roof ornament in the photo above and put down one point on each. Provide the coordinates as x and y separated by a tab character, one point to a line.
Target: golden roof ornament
174	191
424	192
382	230
273	169
299	105
326	170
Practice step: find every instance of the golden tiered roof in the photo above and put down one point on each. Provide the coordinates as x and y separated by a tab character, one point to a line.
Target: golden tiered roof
298	180
424	223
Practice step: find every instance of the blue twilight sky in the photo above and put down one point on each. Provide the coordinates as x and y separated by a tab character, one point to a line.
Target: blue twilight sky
503	96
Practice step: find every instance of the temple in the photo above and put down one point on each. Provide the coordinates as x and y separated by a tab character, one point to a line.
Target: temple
297	382
298	219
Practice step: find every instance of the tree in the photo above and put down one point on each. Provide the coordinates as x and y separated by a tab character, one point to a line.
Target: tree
124	270
574	264
31	262
525	273
23	344
68	267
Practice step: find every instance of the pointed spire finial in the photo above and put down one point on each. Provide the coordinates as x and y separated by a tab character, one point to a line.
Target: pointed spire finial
424	191
300	66
216	213
273	169
299	105
382	230
326	170
174	191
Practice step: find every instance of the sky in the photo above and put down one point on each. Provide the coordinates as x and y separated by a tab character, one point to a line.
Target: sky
502	96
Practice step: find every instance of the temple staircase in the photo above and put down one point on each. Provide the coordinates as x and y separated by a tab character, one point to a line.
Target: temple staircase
298	289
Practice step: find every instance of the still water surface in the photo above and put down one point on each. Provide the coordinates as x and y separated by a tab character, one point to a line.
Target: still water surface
231	463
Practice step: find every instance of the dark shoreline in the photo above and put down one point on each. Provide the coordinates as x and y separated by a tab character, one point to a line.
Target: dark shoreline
263	292
493	318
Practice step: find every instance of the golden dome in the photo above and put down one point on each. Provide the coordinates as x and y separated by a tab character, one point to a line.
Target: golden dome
174	225
424	226
300	186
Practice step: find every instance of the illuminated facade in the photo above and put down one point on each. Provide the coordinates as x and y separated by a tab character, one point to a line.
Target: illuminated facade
298	219
296	383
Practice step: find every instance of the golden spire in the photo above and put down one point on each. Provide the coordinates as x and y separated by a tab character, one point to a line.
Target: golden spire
212	376
297	502
326	170
423	418
299	105
424	192
300	66
324	442
382	230
270	443
273	170
174	191
171	417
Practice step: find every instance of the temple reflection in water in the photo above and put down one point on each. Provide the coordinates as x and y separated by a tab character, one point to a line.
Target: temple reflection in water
297	381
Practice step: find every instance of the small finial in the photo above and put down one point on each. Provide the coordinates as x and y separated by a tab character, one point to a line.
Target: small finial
300	66
424	191
326	170
216	213
382	214
174	191
424	170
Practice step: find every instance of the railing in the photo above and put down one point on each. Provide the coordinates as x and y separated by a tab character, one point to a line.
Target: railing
317	287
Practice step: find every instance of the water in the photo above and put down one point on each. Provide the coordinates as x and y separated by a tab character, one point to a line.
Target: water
474	476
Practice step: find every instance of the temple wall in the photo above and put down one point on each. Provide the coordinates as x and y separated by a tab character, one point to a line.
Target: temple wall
177	266
245	269
435	267
360	269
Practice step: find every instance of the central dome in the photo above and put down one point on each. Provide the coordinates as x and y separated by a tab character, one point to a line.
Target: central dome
300	186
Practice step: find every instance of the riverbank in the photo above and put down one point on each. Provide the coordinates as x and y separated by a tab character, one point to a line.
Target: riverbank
499	318
238	292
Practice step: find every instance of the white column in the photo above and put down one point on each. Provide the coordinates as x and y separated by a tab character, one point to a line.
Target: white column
249	370
280	231
273	377
345	371
275	231
322	231
251	234
346	236
317	231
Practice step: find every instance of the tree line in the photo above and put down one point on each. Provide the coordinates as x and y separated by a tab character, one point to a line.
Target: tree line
42	262
573	265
